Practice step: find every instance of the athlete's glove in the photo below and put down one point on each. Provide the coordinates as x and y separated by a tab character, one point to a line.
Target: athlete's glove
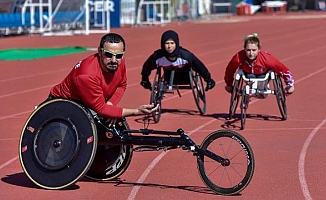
228	88
289	89
210	85
146	84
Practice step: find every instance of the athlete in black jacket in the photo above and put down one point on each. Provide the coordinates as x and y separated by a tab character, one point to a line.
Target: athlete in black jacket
173	56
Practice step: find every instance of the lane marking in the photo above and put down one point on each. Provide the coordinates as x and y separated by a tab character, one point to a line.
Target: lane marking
17	114
25	91
134	191
302	178
8	162
8	139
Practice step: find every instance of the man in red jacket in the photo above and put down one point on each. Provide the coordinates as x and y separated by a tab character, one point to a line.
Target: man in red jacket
255	63
100	81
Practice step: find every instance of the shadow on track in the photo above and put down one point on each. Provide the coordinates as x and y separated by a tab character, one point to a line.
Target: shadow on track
20	179
123	183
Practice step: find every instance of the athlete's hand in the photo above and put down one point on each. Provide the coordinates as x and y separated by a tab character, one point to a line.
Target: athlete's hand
289	90
228	88
147	109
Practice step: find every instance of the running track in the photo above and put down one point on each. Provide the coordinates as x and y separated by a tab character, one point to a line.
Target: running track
290	155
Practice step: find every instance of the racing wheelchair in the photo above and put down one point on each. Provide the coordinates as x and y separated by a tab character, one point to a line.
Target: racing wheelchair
245	88
168	80
63	140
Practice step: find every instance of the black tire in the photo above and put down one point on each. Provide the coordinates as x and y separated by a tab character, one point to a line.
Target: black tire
236	94
156	97
231	179
111	161
280	97
58	144
243	107
198	91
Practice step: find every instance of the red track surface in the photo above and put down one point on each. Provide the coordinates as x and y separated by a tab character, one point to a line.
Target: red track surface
290	155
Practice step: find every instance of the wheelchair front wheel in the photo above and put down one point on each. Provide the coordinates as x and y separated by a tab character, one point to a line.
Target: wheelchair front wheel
226	179
198	91
243	106
280	97
156	97
236	93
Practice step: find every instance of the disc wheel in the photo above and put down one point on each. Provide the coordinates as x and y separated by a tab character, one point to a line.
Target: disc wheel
198	91
280	97
233	176
58	144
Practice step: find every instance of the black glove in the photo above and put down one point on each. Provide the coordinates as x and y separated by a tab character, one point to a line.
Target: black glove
146	84
210	85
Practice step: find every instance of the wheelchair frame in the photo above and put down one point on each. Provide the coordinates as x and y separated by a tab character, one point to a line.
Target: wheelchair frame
160	87
245	88
41	136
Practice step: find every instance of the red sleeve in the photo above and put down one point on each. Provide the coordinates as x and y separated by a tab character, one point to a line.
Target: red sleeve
281	70
115	99
91	93
231	69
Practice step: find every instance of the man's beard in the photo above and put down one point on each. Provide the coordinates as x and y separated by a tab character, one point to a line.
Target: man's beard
112	66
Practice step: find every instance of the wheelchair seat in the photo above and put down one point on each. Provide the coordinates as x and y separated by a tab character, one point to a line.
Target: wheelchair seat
176	79
181	76
258	84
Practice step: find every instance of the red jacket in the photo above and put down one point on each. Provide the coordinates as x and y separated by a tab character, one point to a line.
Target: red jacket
88	83
260	65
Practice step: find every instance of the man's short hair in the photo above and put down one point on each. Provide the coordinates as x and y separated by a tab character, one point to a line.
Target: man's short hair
112	38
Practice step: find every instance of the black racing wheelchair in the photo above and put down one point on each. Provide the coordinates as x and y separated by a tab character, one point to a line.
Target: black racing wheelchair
175	79
63	140
245	88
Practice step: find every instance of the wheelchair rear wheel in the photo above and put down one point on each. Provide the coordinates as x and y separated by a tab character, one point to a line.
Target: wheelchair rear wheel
156	97
110	160
58	144
231	177
236	94
280	97
198	91
243	107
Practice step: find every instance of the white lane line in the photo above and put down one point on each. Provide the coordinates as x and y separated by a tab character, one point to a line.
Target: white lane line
26	91
8	162
142	178
8	139
17	114
302	178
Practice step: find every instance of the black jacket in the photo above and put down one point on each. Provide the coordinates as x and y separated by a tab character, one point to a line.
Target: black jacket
184	59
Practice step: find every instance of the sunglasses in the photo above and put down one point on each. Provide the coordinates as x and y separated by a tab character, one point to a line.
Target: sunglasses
110	54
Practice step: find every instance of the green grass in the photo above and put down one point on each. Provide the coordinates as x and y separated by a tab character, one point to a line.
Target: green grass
37	53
